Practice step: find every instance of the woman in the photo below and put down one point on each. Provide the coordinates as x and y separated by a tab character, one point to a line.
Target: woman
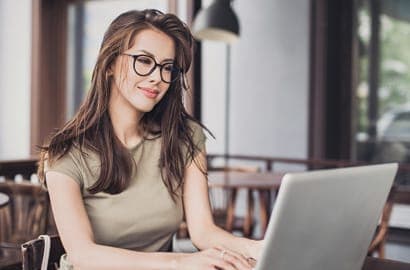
131	162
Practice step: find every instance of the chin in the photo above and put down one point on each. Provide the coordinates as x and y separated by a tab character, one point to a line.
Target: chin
143	105
144	108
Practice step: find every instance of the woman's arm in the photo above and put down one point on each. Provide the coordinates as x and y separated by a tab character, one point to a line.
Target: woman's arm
76	234
204	233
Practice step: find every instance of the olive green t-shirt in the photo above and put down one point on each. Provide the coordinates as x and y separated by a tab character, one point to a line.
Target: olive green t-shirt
143	217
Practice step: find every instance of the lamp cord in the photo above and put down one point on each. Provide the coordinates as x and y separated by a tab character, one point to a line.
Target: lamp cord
227	100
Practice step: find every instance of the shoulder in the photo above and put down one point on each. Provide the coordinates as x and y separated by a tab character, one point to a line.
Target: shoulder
75	154
194	126
196	130
74	163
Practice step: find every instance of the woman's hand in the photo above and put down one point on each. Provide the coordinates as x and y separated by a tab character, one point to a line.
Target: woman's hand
255	249
213	258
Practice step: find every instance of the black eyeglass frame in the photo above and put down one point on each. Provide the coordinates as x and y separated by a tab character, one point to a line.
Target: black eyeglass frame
176	70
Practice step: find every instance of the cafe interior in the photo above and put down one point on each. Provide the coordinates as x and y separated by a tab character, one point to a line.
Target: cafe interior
284	86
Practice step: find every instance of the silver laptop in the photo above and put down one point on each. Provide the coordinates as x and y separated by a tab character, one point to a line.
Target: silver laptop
326	219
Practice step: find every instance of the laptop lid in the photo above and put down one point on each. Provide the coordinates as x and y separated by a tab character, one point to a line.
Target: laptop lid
326	219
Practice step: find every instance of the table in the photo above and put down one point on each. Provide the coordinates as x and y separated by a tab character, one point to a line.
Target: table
383	264
264	183
235	179
370	263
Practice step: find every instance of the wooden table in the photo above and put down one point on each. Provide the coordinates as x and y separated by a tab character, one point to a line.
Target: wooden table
234	179
383	264
370	263
264	183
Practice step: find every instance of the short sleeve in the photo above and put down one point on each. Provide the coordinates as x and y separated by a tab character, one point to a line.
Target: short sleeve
198	139
69	164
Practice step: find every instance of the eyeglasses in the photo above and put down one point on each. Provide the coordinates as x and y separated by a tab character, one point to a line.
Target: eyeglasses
144	65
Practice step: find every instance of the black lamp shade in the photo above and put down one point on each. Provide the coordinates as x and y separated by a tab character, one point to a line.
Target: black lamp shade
217	22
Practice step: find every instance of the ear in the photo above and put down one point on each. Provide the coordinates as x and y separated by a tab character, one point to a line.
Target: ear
109	73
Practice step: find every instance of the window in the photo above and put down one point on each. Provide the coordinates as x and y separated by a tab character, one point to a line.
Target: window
383	93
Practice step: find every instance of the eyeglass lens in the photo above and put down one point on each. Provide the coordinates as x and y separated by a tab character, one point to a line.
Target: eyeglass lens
145	65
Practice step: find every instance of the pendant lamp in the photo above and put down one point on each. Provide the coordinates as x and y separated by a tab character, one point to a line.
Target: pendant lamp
217	22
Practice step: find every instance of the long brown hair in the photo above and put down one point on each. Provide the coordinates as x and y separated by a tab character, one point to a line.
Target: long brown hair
91	127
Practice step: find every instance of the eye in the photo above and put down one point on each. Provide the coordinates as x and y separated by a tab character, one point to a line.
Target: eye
145	60
169	67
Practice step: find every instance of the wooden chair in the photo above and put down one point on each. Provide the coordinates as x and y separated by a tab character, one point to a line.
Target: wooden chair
9	258
4	201
27	213
223	203
397	196
33	250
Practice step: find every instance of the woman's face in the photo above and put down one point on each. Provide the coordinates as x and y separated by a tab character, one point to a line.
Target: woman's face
135	91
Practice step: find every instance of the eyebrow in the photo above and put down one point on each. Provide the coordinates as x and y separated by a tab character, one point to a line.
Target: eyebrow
153	56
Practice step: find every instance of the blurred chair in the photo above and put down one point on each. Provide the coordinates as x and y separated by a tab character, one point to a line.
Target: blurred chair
224	204
33	251
26	216
6	257
397	196
4	201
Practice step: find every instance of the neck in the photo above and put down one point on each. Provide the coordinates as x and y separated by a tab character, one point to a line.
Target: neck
125	121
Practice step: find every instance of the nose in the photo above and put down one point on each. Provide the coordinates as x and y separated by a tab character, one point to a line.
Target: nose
155	76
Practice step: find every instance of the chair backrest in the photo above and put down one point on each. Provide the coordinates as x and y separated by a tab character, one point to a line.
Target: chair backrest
27	213
221	198
4	201
32	253
223	203
401	195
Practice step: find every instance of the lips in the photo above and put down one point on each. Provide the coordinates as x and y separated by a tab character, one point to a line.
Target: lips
149	93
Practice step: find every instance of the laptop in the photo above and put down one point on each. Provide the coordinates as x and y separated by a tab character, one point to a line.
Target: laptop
326	219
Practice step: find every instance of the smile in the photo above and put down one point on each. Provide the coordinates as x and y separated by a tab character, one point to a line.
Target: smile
149	93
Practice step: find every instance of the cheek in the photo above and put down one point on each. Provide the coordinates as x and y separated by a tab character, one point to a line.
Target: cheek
125	77
129	82
164	89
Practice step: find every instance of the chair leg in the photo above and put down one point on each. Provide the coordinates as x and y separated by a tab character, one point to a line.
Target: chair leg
379	240
247	227
382	250
263	202
230	211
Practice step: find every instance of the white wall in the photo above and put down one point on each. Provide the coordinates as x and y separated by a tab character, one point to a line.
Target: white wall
15	60
269	81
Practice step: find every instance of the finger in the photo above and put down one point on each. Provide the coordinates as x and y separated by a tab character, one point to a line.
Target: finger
243	260
239	255
251	261
222	264
238	263
239	258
